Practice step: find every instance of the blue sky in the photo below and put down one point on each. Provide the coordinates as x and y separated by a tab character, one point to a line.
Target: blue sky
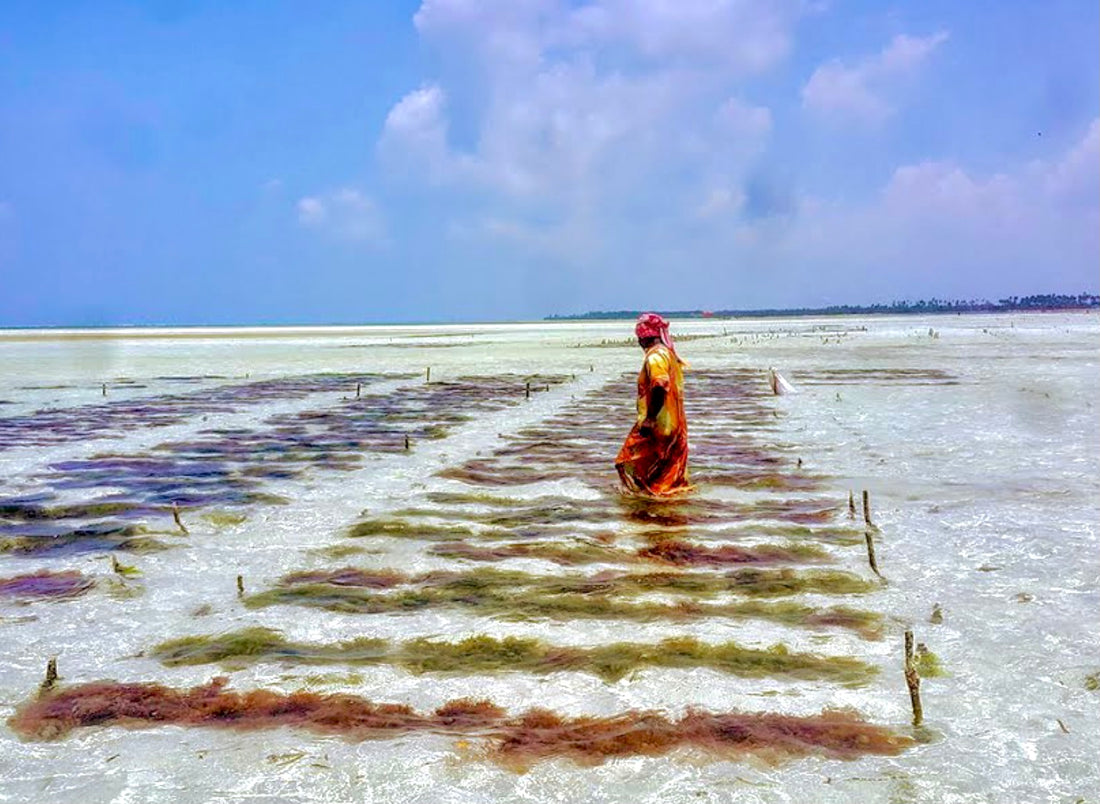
274	162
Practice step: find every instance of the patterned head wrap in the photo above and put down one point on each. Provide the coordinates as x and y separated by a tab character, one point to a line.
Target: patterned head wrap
651	325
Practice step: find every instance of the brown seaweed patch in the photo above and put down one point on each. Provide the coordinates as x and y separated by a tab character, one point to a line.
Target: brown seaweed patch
541	734
516	742
846	537
484	654
348	576
45	584
665	551
682	553
565	555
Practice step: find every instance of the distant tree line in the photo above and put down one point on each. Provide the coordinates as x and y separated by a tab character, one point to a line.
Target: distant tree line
1043	301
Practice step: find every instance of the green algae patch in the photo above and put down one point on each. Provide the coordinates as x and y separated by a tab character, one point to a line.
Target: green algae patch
514	741
264	644
485	654
406	529
747	582
928	663
338	551
524	604
224	519
519	595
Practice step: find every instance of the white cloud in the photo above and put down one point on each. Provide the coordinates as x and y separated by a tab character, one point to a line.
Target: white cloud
600	145
573	118
936	228
1074	177
346	213
743	36
862	91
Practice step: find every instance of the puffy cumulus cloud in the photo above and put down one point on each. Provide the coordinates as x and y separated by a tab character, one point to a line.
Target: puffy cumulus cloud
584	151
862	91
936	228
345	213
579	119
741	35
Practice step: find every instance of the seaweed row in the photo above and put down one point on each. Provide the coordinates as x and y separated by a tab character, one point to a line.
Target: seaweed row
485	654
729	419
515	741
876	376
521	596
115	418
230	467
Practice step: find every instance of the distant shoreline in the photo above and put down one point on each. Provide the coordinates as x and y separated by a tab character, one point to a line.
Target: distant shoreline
1082	303
1044	303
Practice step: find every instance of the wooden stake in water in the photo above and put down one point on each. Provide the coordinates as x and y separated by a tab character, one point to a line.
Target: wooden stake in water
105	389
179	522
406	441
428	374
358	389
240	586
912	679
867	508
851	505
51	675
871	553
528	391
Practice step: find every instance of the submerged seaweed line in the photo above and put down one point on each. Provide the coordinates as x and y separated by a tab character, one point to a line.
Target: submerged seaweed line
515	741
750	582
481	653
521	605
666	551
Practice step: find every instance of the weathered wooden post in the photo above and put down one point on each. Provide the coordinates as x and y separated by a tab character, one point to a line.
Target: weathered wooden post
871	552
179	522
912	679
51	675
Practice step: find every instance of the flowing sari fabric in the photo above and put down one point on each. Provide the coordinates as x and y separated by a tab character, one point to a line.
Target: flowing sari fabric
654	460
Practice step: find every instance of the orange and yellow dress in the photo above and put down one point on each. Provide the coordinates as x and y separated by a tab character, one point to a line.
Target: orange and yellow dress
653	460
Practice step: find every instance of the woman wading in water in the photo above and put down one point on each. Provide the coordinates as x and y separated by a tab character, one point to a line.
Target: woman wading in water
653	459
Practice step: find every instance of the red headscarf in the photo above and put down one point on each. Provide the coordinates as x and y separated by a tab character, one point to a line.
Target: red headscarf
651	325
